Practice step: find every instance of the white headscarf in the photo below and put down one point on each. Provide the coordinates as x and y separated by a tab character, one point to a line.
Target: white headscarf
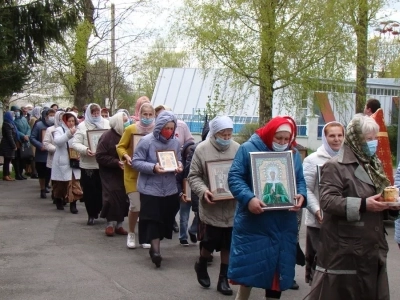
89	118
328	149
36	112
58	118
66	115
220	123
117	122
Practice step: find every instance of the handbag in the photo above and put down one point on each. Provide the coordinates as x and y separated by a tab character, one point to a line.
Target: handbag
26	151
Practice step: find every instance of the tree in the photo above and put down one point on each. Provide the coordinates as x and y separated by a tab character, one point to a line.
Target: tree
275	45
161	55
25	32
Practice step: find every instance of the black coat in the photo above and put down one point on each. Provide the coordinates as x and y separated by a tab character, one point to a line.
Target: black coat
8	143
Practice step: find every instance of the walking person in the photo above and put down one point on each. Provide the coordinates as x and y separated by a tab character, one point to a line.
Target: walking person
90	177
8	144
159	199
115	200
144	125
263	252
37	135
65	178
216	217
332	140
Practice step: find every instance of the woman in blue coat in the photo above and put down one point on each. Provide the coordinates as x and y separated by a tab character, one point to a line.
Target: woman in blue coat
263	251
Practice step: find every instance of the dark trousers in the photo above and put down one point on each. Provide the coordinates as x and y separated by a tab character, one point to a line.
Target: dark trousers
92	192
6	166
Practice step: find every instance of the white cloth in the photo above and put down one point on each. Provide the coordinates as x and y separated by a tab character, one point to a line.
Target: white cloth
36	112
48	139
220	123
284	127
117	122
89	118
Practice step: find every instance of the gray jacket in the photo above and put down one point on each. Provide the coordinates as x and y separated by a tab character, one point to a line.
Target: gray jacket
145	158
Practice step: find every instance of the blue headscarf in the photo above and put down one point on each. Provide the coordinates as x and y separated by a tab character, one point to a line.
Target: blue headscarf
8	118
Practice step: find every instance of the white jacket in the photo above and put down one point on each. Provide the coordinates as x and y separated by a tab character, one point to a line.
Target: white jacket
80	144
61	170
310	163
48	144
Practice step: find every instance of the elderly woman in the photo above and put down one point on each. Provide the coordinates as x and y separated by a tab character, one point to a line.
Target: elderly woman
143	126
115	200
351	260
263	252
216	217
8	144
65	178
332	140
159	199
90	177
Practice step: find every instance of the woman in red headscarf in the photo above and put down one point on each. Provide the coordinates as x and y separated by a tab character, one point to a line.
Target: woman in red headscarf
263	250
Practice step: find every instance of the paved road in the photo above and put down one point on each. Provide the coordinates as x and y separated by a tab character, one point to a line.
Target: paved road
50	254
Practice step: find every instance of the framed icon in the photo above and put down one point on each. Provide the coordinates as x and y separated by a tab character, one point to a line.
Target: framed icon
135	138
218	179
274	180
167	159
73	154
93	137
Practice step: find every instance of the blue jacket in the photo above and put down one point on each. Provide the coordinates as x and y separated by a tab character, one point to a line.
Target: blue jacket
397	222
263	244
36	138
145	158
23	127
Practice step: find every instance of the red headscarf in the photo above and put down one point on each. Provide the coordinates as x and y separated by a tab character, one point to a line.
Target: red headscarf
267	132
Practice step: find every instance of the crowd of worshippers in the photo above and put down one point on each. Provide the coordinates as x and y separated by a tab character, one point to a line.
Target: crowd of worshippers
148	167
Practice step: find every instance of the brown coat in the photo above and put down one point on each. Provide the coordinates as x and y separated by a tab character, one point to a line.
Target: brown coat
351	258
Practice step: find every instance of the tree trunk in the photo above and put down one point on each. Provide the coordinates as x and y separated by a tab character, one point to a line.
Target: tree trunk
267	59
361	30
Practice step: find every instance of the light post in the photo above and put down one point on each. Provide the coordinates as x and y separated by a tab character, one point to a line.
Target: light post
392	29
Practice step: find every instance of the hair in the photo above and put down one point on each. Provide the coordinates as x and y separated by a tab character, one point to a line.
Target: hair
49	111
373	105
74	108
66	116
367	124
94	107
68	109
329	126
53	105
146	105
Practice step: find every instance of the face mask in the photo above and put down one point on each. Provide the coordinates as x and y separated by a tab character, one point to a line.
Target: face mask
17	114
29	111
51	120
127	123
167	133
370	149
146	121
96	119
131	121
13	118
278	147
223	142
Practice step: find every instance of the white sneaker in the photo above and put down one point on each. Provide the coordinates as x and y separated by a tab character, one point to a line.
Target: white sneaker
146	246
130	242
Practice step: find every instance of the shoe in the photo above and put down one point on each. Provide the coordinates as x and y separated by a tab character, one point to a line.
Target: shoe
193	238
8	178
223	286
18	177
201	271
175	227
47	190
184	243
109	231
23	177
156	259
59	204
146	246
43	194
90	221
130	241
34	176
72	208
295	286
121	231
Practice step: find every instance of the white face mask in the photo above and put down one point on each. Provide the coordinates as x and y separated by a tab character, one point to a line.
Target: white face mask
279	147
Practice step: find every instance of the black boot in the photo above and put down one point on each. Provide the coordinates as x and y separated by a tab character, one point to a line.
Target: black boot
43	194
201	270
223	285
59	204
72	208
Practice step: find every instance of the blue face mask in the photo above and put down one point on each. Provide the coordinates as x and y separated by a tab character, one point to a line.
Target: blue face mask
279	147
223	142
370	150
127	123
17	114
96	119
146	121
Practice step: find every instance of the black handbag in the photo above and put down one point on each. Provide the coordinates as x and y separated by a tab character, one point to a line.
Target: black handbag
26	151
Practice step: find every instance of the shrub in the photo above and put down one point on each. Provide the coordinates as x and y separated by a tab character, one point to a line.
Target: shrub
246	132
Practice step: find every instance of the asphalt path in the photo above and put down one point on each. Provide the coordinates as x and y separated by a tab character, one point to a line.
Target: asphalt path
50	254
